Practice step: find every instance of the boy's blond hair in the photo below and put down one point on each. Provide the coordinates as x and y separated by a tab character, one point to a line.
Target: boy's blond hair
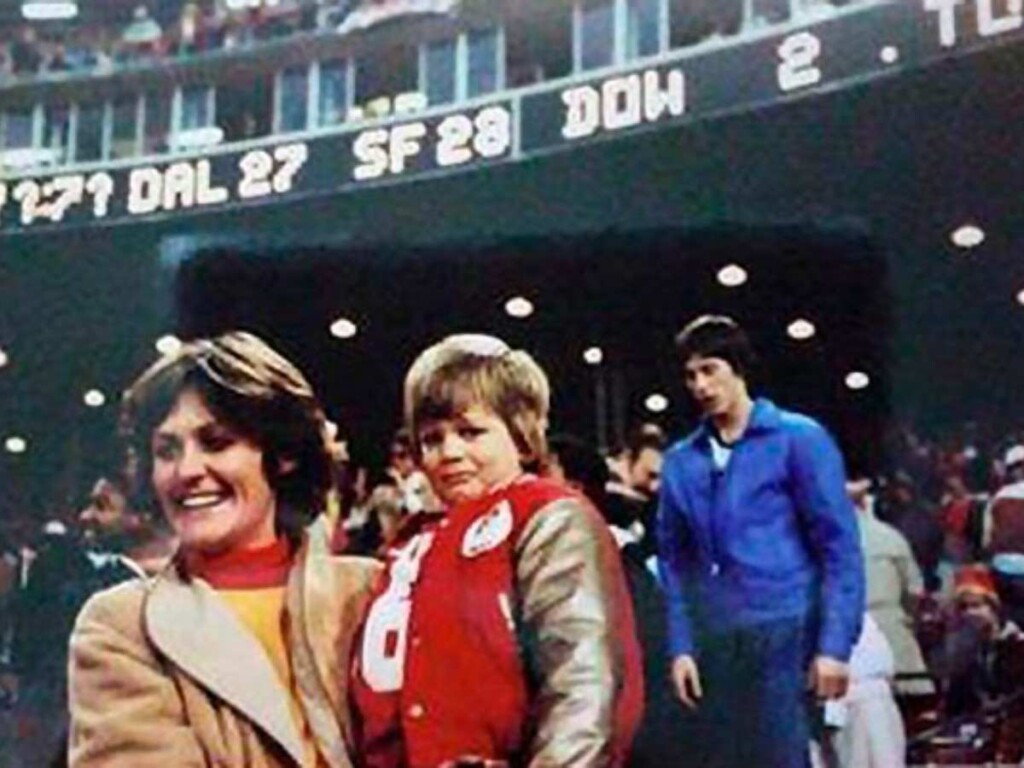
471	368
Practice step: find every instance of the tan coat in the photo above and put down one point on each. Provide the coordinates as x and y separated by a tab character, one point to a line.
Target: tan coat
164	675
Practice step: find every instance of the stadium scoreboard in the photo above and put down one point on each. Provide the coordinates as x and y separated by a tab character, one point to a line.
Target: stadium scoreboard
844	48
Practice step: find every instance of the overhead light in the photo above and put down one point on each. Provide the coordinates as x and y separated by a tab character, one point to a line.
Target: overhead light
94	398
593	355
3	358
857	380
890	54
801	329
168	345
49	10
968	236
519	306
343	328
656	403
732	276
15	444
1020	298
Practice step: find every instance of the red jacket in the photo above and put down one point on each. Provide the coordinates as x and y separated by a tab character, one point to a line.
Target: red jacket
503	630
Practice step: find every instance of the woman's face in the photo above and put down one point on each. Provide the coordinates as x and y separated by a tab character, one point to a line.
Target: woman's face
210	481
468	455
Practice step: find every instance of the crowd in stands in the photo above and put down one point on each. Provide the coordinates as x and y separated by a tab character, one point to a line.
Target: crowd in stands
941	527
199	27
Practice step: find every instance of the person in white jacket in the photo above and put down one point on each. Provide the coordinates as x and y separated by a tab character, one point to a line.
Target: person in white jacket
872	734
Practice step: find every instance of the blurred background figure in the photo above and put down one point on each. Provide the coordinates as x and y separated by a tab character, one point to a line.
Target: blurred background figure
894	585
1004	516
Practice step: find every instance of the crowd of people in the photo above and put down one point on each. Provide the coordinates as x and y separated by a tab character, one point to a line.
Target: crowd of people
239	592
150	36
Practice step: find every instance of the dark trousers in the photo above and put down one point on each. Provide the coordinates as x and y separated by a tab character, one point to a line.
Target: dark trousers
756	710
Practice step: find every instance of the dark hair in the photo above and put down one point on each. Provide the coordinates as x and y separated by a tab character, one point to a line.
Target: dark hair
645	435
254	390
717	336
581	463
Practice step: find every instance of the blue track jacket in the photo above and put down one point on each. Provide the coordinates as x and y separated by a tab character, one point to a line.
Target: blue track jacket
772	536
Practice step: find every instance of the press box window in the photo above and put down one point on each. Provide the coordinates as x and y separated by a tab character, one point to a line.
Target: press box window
643	27
293	96
17	130
484	54
439	60
595	34
334	92
89	136
124	133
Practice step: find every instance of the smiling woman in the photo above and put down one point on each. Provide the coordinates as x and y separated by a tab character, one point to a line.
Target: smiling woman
213	661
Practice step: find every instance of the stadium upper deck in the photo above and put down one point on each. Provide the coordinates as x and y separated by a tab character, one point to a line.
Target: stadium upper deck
406	87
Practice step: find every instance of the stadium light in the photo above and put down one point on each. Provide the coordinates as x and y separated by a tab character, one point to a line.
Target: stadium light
656	403
4	359
857	380
16	444
94	398
801	330
343	328
1020	298
593	355
49	10
732	276
968	236
168	345
519	307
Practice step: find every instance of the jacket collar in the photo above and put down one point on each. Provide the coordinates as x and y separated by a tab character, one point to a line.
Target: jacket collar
198	632
764	417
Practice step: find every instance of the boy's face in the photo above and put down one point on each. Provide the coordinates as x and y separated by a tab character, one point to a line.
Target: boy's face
468	455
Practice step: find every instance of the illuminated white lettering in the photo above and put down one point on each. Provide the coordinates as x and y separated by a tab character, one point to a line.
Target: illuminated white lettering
27	193
369	149
101	187
69	190
493	132
145	190
989	25
583	113
798	53
292	157
671	98
206	194
256	167
405	144
620	101
947	19
454	134
624	102
179	186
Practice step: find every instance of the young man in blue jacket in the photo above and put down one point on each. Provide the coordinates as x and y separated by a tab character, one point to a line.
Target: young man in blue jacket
760	560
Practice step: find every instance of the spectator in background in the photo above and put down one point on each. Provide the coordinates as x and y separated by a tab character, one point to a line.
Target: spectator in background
633	488
906	509
26	58
1004	515
662	739
894	585
760	560
870	731
977	659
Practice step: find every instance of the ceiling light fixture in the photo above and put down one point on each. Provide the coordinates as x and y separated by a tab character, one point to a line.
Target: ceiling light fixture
801	330
857	380
656	403
519	307
49	10
593	355
968	236
16	444
94	398
343	328
732	276
168	344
